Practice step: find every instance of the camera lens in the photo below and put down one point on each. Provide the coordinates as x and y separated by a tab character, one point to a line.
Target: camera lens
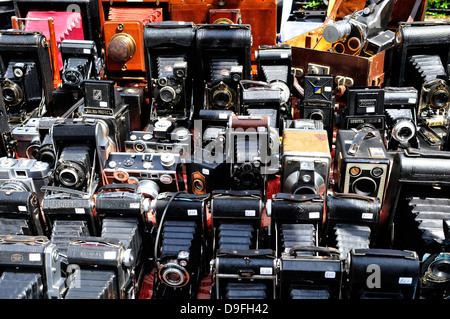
364	186
72	77
441	268
440	98
68	177
173	275
121	47
12	94
139	147
199	186
222	98
167	94
403	131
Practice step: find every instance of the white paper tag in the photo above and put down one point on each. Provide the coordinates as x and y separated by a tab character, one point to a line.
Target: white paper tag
109	255
405	280
367	216
330	274
314	215
79	210
192	212
34	257
265	271
250	212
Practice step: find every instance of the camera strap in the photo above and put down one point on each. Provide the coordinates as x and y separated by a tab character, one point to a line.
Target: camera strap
358	139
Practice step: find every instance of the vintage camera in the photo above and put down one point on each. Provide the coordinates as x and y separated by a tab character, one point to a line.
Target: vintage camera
139	112
7	143
361	163
295	220
352	222
252	150
168	48
27	138
80	62
26	75
161	135
364	31
274	70
24	175
364	107
180	243
223	64
398	272
401	120
236	219
318	101
110	275
121	212
421	57
20	213
435	275
162	168
69	214
419	182
31	268
81	148
104	104
305	162
306	269
244	274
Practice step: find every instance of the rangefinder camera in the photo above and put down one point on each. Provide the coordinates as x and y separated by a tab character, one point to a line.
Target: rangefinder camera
162	168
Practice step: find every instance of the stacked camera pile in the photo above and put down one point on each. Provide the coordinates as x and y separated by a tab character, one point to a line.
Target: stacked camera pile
222	166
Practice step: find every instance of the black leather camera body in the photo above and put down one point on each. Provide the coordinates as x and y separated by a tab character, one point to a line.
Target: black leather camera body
169	58
26	75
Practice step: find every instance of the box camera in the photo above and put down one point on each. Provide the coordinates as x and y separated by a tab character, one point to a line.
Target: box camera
26	76
398	273
30	255
139	112
162	168
24	175
169	62
318	101
244	274
80	62
181	220
364	107
20	213
89	253
305	162
222	65
361	163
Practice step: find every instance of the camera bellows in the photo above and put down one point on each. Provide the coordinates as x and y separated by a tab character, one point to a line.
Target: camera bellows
21	285
92	284
303	235
349	236
236	236
235	290
298	292
431	213
177	236
124	229
429	67
64	231
14	227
